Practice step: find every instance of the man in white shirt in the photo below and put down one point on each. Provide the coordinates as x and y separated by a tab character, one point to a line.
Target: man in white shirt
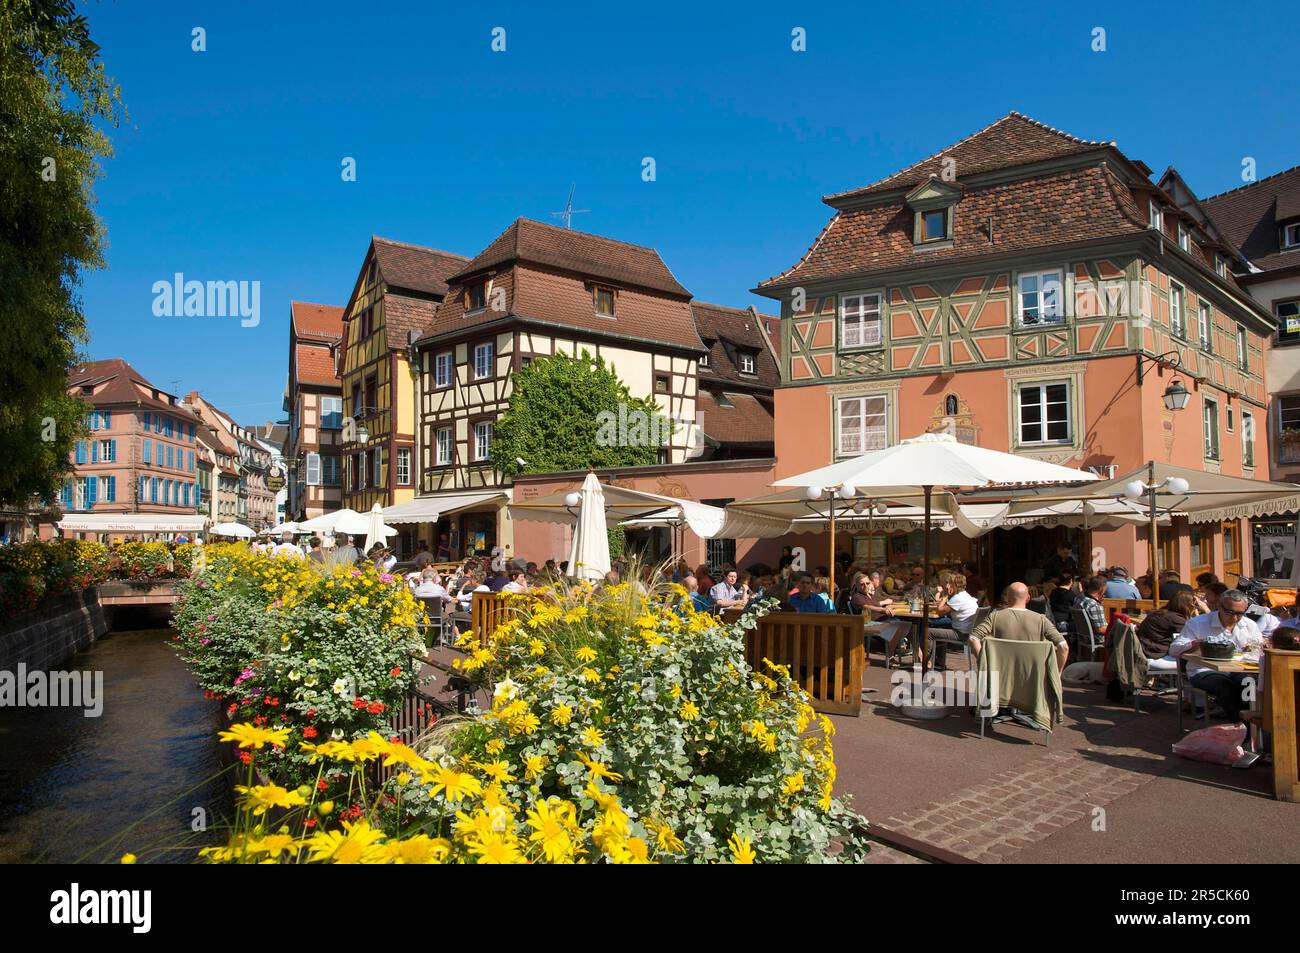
287	547
1229	622
725	595
518	582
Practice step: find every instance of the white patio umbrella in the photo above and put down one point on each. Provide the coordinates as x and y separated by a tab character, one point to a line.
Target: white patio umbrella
232	529
589	555
327	522
283	528
924	463
370	525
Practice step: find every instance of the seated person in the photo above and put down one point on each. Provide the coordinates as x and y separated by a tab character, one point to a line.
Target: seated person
1017	622
1144	588
1170	584
1159	629
727	595
807	599
1090	602
472	584
1119	587
1037	601
699	600
960	607
1228	622
1062	598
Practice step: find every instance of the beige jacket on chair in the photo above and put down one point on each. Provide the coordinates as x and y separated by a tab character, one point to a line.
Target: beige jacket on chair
1028	678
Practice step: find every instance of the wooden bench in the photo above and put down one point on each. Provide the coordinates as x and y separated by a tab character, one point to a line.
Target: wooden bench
825	654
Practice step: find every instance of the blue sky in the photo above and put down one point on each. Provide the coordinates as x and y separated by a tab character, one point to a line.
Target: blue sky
229	166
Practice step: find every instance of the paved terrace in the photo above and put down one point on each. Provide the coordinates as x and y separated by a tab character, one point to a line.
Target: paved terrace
1007	798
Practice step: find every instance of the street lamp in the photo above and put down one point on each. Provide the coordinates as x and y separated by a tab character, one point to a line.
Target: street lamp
1176	395
1136	489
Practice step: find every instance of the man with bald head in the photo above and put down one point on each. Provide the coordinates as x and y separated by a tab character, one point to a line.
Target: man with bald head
1016	621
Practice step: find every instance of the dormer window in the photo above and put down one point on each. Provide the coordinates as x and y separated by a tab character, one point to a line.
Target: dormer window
604	298
748	361
1184	240
706	358
1291	235
932	204
1221	266
1154	218
476	296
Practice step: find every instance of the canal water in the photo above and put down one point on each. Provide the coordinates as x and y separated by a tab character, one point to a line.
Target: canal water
140	778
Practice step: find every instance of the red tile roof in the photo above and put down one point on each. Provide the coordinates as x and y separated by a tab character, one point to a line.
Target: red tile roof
1013	140
579	252
316	322
1037	212
117	382
415	267
315	365
724	329
748	421
1249	216
402	315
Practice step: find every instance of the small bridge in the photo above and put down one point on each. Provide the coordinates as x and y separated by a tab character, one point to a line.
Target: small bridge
156	592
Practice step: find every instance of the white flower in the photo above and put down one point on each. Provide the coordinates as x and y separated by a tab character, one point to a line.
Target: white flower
336	734
293	675
310	681
505	690
340	687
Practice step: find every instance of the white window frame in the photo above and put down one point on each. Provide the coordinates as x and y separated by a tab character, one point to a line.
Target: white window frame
748	362
1247	438
1205	325
403	463
488	348
483	433
1184	237
1178	313
873	419
1155	216
1243	362
857	318
1291	235
1210	428
1038	293
331	405
443	454
444	362
313	469
1043	404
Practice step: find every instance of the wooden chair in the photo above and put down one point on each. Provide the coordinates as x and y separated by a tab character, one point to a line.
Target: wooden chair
1084	636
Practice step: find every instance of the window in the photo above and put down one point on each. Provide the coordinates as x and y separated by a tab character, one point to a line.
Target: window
1154	218
863	424
604	302
146	453
357	408
442	365
1231	419
329	471
483	361
482	439
860	320
1243	360
748	362
1203	325
1041	300
148	421
442	443
331	412
153	489
662	383
363	469
372	399
1291	235
1210	428
1247	439
1288	321
1184	240
1043	413
476	296
108	489
934	225
313	469
1221	266
706	359
403	466
1176	311
379	466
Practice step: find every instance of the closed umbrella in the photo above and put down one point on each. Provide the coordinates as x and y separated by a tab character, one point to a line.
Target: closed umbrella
589	555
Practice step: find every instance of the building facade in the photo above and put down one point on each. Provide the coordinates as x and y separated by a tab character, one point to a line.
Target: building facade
1036	293
1262	220
314	403
392	303
140	453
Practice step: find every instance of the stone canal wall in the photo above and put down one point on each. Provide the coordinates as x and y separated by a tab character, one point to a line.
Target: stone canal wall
47	637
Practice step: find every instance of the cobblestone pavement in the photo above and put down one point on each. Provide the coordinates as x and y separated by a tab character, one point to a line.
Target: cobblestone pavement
884	854
992	820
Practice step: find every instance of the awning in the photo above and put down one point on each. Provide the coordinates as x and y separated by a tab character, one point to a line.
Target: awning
623	503
132	523
428	509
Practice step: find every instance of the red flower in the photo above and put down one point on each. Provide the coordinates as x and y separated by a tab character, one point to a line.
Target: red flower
397	670
311	822
358	703
321	785
245	757
375	708
311	712
309	732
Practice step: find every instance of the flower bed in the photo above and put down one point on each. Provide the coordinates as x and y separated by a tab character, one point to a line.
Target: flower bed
31	573
622	729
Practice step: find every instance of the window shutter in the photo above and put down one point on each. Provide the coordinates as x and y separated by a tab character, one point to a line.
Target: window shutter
112	489
313	469
92	485
94	451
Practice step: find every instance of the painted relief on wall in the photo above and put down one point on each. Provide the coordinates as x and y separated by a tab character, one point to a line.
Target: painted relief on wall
953	416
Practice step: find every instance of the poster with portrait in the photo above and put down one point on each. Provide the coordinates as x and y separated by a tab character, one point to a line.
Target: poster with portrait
1275	549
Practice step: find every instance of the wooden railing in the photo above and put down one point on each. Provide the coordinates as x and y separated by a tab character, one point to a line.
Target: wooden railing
487	611
1132	607
825	654
417	714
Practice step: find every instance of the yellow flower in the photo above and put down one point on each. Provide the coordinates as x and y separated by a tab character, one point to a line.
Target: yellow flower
495	746
128	859
590	675
793	784
454	785
666	840
741	852
597	769
497	770
593	737
553	822
357	843
561	714
586	654
420	849
525	724
533	765
536	647
689	711
263	797
496	848
250	736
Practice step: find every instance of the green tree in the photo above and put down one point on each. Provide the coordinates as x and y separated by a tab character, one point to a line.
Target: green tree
564	415
55	100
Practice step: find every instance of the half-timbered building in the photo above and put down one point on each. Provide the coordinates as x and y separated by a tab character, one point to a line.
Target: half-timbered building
1033	292
314	401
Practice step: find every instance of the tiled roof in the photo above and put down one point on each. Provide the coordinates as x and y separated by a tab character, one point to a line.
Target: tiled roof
1249	216
579	252
719	327
1037	212
315	365
415	267
122	384
1013	140
316	322
403	315
748	421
